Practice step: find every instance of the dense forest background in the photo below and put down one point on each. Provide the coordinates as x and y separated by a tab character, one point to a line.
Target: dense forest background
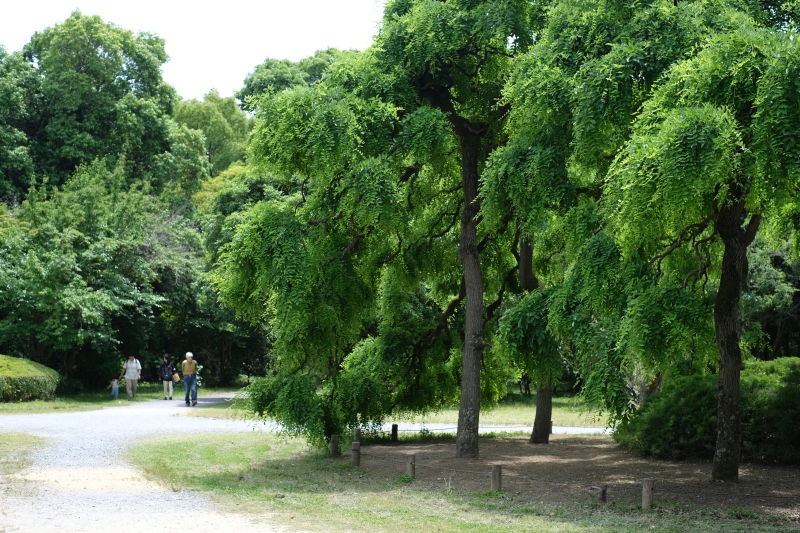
494	191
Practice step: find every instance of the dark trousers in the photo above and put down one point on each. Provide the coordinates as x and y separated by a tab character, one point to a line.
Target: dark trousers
190	384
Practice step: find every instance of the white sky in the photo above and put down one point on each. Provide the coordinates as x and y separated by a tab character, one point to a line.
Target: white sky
212	44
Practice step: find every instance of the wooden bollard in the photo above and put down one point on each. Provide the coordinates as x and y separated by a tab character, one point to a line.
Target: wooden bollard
551	427
647	493
394	432
411	463
604	494
357	435
356	451
334	445
497	478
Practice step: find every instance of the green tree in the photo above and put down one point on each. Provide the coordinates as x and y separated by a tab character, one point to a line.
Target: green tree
280	74
100	95
712	154
455	57
359	264
72	261
225	127
16	167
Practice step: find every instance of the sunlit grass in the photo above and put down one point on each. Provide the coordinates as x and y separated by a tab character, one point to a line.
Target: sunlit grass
513	410
519	410
15	451
291	484
92	400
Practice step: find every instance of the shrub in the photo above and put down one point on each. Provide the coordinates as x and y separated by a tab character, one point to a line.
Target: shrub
680	420
23	380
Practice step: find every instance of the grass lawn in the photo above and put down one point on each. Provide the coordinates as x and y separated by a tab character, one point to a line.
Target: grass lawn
229	409
514	409
15	451
293	485
89	401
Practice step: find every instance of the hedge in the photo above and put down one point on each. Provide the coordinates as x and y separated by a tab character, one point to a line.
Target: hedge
22	380
681	420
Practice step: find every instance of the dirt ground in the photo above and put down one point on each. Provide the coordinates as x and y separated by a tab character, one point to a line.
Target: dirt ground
572	469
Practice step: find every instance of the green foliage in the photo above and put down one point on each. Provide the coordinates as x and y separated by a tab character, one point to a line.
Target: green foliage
680	420
100	94
23	380
279	74
354	263
524	339
16	166
225	127
80	270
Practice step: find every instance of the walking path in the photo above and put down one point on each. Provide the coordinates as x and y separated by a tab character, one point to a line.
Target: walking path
82	481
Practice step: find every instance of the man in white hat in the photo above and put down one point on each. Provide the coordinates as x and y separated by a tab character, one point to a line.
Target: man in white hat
189	371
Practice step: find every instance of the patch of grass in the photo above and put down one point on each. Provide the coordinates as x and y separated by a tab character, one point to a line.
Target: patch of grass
517	409
15	451
513	410
263	473
92	400
229	409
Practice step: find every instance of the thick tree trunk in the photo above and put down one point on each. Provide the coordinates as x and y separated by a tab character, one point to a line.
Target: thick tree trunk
544	414
469	408
727	327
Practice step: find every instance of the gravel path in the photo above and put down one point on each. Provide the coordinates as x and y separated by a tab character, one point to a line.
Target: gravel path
81	481
84	483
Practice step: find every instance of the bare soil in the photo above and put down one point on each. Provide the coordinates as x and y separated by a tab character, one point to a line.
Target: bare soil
572	469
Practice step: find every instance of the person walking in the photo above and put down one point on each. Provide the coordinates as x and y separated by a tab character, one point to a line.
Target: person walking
189	371
167	371
132	370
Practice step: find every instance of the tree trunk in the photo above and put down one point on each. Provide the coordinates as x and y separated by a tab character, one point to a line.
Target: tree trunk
469	408
544	394
727	328
527	281
544	414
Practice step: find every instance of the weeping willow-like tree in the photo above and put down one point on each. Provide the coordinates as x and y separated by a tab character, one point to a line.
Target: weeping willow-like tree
377	267
714	155
572	99
653	241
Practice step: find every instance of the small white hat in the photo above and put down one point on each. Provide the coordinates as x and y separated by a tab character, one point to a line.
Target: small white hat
189	354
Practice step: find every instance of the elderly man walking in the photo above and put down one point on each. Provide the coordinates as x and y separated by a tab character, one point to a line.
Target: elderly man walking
132	370
189	371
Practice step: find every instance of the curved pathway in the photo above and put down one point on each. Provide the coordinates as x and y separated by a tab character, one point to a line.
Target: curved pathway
83	482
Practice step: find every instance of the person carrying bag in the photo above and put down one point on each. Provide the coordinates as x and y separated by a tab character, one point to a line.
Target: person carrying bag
168	370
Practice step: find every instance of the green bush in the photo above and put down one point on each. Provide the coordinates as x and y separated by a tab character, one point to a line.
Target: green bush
23	380
680	420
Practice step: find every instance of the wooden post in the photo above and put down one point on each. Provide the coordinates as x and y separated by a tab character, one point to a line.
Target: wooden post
357	435
647	493
394	432
334	445
411	463
604	494
497	478
356	451
551	427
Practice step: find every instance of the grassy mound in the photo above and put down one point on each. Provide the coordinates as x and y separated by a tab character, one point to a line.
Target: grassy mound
23	380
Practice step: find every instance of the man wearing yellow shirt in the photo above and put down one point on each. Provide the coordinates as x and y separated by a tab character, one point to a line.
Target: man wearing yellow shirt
189	371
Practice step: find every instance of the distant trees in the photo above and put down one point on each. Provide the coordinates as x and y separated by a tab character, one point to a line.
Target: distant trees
280	74
101	254
225	127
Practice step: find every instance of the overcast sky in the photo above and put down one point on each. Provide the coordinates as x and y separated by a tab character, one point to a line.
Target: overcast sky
212	45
